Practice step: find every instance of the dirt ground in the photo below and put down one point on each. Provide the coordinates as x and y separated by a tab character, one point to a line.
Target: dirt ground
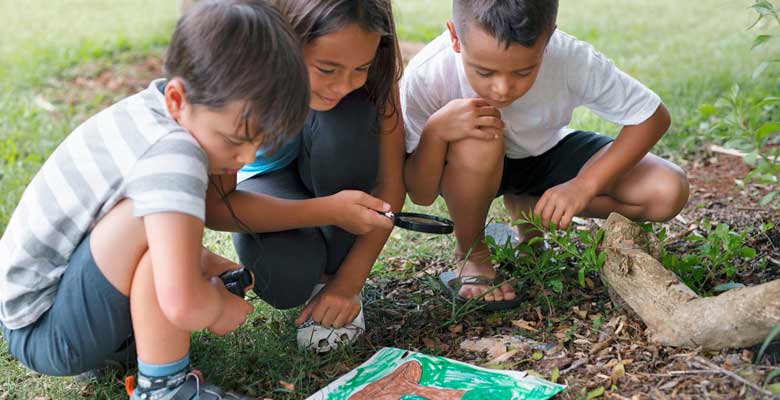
581	335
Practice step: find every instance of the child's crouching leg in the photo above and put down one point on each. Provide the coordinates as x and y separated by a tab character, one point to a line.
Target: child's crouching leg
469	184
654	190
119	246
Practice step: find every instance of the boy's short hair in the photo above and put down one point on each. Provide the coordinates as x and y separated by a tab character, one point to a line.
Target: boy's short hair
227	50
510	21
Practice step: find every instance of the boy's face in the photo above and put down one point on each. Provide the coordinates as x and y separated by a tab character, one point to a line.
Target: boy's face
498	74
220	132
338	63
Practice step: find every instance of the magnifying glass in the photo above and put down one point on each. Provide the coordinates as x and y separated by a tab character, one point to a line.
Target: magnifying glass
421	222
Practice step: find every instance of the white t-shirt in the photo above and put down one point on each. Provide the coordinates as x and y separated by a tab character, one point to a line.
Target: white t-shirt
572	74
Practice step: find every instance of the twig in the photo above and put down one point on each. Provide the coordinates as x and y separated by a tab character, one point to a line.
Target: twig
773	261
576	364
718	369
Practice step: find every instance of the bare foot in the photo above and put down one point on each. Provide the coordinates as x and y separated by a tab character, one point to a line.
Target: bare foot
478	264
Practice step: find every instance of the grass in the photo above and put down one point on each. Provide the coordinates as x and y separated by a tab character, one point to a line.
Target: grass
690	56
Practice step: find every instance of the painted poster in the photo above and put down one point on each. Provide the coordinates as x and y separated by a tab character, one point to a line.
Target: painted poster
395	374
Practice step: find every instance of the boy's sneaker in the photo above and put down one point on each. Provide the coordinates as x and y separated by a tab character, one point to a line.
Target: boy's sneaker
313	336
186	385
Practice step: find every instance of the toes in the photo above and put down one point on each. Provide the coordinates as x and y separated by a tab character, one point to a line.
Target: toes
467	292
508	292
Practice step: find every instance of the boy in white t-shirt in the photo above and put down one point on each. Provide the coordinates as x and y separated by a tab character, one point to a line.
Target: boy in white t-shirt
486	107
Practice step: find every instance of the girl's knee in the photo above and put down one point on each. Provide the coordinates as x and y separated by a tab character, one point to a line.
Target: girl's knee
286	264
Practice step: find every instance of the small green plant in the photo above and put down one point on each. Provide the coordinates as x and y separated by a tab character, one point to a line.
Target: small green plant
543	267
710	258
539	268
751	123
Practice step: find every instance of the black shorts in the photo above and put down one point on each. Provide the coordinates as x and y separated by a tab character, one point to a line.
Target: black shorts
534	175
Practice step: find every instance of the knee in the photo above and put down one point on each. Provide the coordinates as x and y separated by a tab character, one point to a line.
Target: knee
287	265
476	156
671	193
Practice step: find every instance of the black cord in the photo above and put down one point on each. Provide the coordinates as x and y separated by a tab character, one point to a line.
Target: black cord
245	229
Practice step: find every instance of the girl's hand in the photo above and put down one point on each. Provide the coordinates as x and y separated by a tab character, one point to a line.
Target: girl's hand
356	212
559	204
234	310
333	307
466	118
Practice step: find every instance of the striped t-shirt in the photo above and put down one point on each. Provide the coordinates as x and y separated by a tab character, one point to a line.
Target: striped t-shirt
134	149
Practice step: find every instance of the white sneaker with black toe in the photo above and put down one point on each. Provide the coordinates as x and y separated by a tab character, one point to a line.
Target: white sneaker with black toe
313	336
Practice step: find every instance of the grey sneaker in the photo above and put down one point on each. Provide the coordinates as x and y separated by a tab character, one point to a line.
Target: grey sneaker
183	386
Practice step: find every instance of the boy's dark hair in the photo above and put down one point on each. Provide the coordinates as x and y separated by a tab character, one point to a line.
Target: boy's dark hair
509	21
242	50
314	18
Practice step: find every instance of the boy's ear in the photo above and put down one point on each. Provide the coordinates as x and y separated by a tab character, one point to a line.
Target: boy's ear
175	98
453	37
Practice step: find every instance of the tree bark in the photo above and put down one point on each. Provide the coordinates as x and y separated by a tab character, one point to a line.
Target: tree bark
673	313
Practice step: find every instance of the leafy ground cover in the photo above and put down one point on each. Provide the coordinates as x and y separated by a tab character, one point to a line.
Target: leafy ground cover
56	77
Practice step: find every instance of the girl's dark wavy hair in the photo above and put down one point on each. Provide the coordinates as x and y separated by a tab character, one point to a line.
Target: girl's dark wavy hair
245	50
314	18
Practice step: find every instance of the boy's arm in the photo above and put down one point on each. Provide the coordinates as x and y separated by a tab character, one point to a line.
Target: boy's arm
630	146
564	201
187	297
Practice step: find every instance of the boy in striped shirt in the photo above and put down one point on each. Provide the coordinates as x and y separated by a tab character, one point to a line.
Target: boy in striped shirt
105	244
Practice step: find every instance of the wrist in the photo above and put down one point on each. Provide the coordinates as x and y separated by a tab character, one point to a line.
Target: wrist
345	285
589	184
432	130
327	210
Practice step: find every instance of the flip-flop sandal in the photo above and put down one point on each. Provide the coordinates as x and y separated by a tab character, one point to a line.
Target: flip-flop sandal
453	283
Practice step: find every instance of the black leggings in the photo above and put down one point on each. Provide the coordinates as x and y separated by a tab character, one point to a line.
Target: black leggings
339	151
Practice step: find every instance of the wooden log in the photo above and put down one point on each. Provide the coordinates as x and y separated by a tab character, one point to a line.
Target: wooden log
673	313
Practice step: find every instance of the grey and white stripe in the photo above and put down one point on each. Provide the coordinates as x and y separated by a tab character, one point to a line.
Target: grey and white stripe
133	149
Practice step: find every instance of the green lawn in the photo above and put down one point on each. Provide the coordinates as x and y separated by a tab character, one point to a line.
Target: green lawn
689	52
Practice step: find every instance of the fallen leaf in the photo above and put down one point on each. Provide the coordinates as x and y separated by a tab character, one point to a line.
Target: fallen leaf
456	329
502	357
598	347
618	371
523	324
595	393
774	388
287	386
429	343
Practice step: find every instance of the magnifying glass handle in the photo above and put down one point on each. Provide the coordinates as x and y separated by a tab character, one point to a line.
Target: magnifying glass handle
388	214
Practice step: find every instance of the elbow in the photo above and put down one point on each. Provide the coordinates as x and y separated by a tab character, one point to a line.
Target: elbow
664	118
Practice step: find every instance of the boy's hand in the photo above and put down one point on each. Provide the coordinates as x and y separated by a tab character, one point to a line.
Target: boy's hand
559	204
356	212
234	311
466	118
214	265
333	307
